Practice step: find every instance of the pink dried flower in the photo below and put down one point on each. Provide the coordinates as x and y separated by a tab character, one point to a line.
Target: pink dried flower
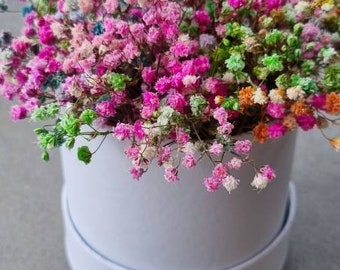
221	115
268	172
236	3
319	101
225	129
163	85
310	32
105	109
243	147
86	5
276	130
123	131
171	174
219	172
136	172
189	160
275	110
132	151
138	130
211	184
177	101
216	148
150	100
111	5
149	75
164	154
235	163
182	137
18	112
45	34
202	18
306	121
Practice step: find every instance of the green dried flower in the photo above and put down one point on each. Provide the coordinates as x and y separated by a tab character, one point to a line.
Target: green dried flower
274	37
84	154
44	113
332	78
327	54
231	103
307	66
282	81
297	29
272	62
70	124
88	116
261	72
293	41
235	62
198	104
117	81
308	85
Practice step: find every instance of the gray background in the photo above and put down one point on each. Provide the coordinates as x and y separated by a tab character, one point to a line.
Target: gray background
31	233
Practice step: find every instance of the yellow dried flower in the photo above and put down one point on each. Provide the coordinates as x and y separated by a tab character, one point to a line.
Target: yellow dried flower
335	142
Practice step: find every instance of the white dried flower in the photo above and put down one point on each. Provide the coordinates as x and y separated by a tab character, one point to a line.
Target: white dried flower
259	97
230	183
189	80
302	6
260	181
228	77
295	92
276	96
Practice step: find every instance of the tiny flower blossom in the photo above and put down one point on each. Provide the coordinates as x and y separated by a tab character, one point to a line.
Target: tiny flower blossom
182	137
216	148
221	115
243	147
220	171
122	131
259	97
171	174
230	183
18	112
225	129
276	95
189	160
276	130
268	172
105	109
275	110
132	151
164	155
235	163
211	184
306	121
335	142
294	93
260	181
136	172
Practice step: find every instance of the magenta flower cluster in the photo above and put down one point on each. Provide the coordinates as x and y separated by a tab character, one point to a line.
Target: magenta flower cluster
167	77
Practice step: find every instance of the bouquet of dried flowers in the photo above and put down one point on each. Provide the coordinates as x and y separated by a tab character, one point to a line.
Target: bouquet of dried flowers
178	80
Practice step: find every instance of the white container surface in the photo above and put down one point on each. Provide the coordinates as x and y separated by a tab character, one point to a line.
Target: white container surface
153	225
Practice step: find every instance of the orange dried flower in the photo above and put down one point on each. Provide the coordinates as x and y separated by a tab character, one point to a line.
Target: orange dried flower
335	142
245	96
289	122
333	103
300	107
218	100
261	132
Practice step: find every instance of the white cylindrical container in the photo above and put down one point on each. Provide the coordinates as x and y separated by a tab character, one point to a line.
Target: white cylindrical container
151	224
